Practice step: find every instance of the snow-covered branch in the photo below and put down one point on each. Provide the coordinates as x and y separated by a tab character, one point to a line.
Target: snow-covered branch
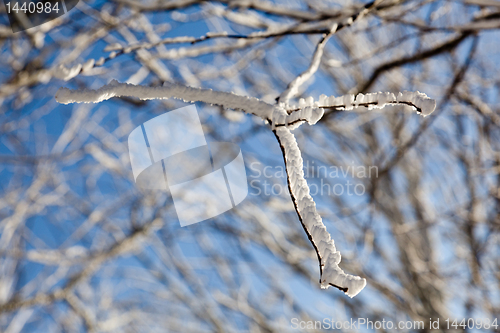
168	90
417	100
328	256
293	88
310	111
283	119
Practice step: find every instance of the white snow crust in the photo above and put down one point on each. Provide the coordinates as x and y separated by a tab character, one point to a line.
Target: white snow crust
168	90
331	273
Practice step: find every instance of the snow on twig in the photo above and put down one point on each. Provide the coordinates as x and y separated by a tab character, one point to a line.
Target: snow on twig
293	88
311	111
168	90
283	119
328	256
420	102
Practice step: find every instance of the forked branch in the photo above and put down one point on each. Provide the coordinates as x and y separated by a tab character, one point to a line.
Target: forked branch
283	119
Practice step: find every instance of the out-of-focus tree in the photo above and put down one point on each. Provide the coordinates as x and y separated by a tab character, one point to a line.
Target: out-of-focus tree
82	249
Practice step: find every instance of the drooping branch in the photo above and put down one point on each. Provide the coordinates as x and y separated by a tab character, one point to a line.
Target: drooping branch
328	256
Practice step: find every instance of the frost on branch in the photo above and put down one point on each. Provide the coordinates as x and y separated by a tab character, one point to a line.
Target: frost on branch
419	101
328	256
283	118
311	111
169	90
